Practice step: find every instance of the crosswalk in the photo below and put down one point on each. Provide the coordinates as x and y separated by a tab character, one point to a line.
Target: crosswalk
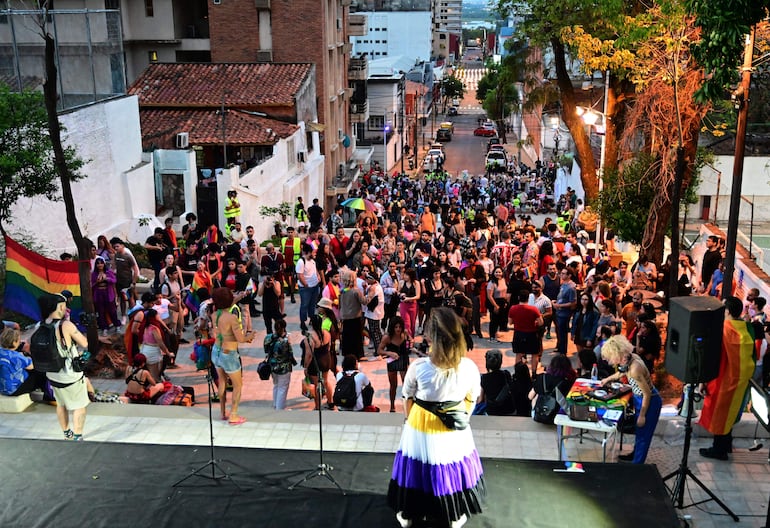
470	77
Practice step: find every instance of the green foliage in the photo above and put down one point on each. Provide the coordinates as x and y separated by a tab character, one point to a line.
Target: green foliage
453	87
627	198
266	211
140	254
724	24
26	158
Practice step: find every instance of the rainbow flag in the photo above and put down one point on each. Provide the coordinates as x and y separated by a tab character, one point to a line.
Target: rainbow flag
29	275
726	397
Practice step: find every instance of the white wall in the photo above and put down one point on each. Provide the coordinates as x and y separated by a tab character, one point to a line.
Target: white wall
405	33
118	184
756	187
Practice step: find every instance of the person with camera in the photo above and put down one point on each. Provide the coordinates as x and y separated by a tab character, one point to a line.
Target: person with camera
70	386
270	290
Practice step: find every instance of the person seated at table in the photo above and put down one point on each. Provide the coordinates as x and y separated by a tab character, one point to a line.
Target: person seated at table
618	351
17	374
364	389
559	375
140	386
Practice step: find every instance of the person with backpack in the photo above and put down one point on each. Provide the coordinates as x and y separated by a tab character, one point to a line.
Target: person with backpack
53	347
281	360
353	391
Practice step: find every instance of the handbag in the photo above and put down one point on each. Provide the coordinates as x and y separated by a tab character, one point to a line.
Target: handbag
546	406
264	370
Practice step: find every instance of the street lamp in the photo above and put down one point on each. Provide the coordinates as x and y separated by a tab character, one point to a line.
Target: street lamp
385	131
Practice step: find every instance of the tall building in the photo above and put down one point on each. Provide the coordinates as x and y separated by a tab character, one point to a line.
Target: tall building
395	28
314	31
447	29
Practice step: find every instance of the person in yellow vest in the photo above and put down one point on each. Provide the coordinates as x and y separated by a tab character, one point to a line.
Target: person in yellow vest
301	216
232	206
290	248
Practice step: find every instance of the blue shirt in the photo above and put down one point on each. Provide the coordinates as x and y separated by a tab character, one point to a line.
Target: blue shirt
567	295
12	370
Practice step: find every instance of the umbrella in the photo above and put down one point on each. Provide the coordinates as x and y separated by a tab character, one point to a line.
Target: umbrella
361	204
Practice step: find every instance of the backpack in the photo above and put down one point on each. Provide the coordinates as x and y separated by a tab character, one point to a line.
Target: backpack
345	394
44	348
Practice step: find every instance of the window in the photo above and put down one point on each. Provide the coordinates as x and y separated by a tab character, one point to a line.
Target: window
376	122
4	5
111	4
148	8
291	153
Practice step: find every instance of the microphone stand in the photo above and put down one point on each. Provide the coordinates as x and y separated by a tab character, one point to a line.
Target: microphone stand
322	469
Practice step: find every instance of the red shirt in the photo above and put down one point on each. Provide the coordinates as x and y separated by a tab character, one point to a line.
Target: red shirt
337	246
524	317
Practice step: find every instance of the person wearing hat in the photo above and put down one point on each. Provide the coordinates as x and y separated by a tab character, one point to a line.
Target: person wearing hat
126	274
70	388
329	323
374	311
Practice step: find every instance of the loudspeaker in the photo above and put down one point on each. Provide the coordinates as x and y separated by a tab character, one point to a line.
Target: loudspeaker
694	340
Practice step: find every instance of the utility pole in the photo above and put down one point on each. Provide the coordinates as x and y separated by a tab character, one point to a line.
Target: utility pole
741	100
224	134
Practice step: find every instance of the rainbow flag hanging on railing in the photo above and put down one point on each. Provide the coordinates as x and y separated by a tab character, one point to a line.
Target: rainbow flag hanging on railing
28	275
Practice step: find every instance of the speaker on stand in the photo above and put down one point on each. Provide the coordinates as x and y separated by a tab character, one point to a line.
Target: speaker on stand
693	349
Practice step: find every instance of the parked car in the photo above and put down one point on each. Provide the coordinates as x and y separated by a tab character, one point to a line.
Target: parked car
452	111
484	131
492	141
443	135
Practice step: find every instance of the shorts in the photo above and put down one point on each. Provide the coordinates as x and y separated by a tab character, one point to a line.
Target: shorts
73	397
526	343
152	353
229	361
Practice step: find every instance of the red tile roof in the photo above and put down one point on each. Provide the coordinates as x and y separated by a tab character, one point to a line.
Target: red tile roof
202	84
159	127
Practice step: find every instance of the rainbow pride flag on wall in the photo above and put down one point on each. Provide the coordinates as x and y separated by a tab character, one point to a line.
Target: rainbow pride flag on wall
29	275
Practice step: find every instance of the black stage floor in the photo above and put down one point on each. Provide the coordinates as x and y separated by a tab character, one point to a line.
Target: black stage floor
66	484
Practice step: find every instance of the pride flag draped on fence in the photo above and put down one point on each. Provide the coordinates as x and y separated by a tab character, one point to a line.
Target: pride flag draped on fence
29	275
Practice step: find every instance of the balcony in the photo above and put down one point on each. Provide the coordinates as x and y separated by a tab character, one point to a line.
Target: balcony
357	25
358	69
359	112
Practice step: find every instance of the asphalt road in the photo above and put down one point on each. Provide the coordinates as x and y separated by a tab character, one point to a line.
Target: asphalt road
465	151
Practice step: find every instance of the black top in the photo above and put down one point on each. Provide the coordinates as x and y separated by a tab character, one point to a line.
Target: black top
493	383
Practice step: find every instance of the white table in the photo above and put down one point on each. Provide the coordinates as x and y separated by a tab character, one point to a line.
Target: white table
607	431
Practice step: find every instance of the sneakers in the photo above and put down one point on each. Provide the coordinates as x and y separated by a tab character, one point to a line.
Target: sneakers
459	523
303	326
548	335
68	434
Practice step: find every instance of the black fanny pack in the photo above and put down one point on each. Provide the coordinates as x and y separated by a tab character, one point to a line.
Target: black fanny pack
450	413
59	385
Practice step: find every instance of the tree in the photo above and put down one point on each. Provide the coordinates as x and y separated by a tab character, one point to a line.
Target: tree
452	87
724	24
67	166
26	161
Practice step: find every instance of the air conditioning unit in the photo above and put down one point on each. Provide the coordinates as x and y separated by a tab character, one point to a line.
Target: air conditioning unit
182	140
301	157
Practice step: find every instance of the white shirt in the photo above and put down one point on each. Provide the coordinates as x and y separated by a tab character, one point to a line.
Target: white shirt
426	381
308	270
379	312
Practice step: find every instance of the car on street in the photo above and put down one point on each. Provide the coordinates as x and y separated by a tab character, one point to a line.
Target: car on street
484	131
492	141
443	135
496	161
433	159
452	111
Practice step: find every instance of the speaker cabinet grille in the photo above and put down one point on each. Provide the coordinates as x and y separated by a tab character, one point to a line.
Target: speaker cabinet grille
694	340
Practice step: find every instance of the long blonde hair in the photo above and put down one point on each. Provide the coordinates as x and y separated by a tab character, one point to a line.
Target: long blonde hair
447	341
616	348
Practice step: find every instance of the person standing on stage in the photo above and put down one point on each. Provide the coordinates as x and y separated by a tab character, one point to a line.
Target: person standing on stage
725	396
617	350
437	473
70	388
